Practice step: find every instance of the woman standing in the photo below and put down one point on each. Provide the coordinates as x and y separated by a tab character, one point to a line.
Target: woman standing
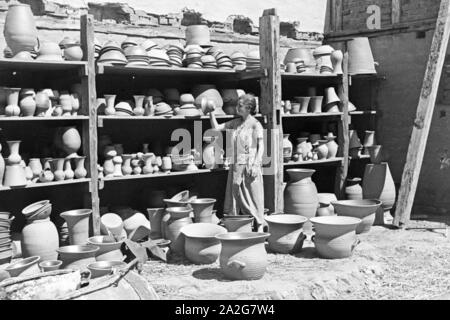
245	190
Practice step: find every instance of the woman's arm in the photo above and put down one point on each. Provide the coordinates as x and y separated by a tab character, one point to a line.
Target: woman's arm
214	124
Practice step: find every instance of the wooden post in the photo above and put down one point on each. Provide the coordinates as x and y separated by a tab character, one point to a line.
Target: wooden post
335	7
422	122
90	129
395	12
270	102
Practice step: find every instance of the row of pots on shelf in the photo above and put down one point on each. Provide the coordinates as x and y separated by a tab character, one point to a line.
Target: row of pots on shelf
369	147
313	104
43	103
314	149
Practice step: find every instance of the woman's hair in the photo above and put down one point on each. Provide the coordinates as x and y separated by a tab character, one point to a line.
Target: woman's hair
249	101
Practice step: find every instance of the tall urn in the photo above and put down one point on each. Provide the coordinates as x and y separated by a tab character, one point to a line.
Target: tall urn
20	28
78	225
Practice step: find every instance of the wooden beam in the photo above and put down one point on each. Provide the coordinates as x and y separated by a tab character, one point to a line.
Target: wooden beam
89	99
422	122
395	11
270	103
337	13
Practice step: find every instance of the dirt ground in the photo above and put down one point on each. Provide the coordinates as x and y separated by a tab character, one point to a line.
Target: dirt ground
387	264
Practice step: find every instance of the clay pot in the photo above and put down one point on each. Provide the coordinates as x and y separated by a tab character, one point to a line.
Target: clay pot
134	220
20	29
14	173
286	233
378	184
155	216
27	104
24	267
331	100
78	225
287	148
113	223
354	140
70	141
177	218
360	58
300	194
327	198
202	209
43	103
335	236
35	166
109	248
362	209
77	257
336	59
332	147
80	172
104	268
300	54
73	53
303	147
198	35
353	190
126	165
110	109
40	238
375	153
243	255
50	265
316	104
12	108
49	51
238	223
324	210
322	149
304	102
139	105
201	245
207	92
58	169
69	174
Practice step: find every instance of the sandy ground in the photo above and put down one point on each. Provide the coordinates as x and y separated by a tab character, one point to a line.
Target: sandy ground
387	264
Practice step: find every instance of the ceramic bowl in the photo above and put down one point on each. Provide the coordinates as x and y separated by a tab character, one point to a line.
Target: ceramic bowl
32	208
50	265
103	268
323	50
5	215
148	44
42	213
135	51
24	267
362	209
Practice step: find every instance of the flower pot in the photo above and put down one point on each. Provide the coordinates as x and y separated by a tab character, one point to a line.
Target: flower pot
243	255
110	109
176	218
375	153
316	104
24	267
78	224
286	233
109	248
362	209
40	238
202	209
353	190
77	257
201	245
20	29
360	58
304	102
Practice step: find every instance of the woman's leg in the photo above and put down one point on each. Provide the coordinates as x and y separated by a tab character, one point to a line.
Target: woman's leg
251	199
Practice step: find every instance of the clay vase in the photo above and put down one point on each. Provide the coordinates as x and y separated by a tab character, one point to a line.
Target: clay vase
35	166
353	190
126	165
304	102
201	245
322	149
300	194
202	209
287	148
42	103
40	238
14	173
70	141
109	248
69	174
148	163
178	217
243	255
335	236
20	29
139	105
110	109
155	216
362	209
336	59
2	166
58	169
78	225
332	147
316	104
27	104
286	233
65	100
378	184
12	108
166	164
360	58
77	257
303	147
80	171
238	223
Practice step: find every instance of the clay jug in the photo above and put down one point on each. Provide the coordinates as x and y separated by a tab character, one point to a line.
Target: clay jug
353	190
69	174
12	108
14	173
126	165
2	166
139	105
110	109
300	194
322	149
336	59
286	233
243	255
80	171
20	29
332	146
155	216
287	148
378	184
40	238
177	218
70	141
78	225
35	166
58	169
27	104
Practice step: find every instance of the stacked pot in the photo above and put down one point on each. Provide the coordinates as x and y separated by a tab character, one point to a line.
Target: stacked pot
6	251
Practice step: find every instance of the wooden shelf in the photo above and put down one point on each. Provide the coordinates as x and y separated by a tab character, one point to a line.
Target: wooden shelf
332	161
313	115
367	77
364	156
19	119
312	77
36	65
48	184
363	112
160	175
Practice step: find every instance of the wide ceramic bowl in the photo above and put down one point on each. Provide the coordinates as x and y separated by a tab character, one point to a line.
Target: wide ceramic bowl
286	232
24	267
334	226
103	268
362	209
50	265
110	249
34	207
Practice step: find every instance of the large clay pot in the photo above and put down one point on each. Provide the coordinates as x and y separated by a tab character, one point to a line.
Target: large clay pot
208	92
24	267
353	190
155	216
70	141
378	184
287	148
40	238
300	194
201	245
109	248
20	29
362	209
243	255
178	217
335	237
78	224
77	257
202	209
286	233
